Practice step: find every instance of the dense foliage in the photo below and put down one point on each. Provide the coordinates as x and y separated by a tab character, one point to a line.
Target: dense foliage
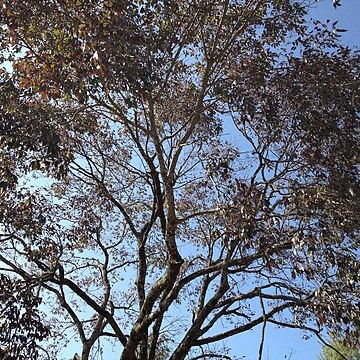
176	173
338	351
20	323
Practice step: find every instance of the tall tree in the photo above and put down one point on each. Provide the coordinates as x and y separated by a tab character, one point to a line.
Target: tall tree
174	174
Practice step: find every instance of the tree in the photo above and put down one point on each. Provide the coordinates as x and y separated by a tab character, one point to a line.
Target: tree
129	209
338	351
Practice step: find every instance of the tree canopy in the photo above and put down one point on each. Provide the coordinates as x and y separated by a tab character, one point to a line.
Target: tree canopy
174	174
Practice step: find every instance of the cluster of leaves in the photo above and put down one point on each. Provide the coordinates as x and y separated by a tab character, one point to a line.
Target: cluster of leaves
21	324
30	129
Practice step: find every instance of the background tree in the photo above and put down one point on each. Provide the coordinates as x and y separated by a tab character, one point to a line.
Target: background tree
339	351
129	208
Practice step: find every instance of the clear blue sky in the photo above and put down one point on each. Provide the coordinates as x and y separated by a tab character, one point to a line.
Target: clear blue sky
348	15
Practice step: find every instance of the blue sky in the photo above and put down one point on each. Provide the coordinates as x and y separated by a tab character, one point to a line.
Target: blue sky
348	15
